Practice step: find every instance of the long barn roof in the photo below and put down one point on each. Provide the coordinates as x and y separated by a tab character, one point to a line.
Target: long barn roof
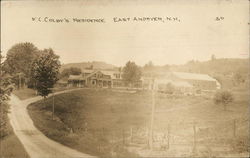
193	76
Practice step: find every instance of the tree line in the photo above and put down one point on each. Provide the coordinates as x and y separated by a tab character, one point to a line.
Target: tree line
39	69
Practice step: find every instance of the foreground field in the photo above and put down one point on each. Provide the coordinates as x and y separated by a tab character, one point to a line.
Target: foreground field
10	146
106	123
24	93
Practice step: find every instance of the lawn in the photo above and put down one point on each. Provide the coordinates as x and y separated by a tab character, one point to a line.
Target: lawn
10	146
24	93
106	123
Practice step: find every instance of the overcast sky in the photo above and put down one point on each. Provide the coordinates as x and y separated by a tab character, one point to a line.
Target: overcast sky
196	36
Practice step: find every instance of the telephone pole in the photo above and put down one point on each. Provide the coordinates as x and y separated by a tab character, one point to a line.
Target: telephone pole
53	105
152	117
53	102
0	64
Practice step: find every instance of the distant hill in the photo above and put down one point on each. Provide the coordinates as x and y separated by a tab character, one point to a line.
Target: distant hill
223	66
224	69
84	65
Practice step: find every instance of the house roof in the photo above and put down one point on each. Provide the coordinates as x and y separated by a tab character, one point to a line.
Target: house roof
111	73
87	71
76	77
193	76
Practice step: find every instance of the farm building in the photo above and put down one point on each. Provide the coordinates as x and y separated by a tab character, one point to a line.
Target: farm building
165	85
90	79
182	81
199	81
99	79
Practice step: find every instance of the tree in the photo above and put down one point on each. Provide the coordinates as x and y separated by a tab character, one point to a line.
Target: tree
5	91
45	71
6	85
223	97
20	57
91	67
18	61
169	89
149	67
213	57
131	73
238	78
70	71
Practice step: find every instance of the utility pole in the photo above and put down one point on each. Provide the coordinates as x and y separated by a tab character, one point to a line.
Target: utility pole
152	117
234	128
53	105
0	64
19	75
194	143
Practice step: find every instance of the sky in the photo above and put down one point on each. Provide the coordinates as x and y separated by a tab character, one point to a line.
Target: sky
196	35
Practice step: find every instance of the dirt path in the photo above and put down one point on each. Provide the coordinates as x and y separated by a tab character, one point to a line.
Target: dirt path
35	143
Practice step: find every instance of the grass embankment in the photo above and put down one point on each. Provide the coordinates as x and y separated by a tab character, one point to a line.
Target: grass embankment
93	121
10	146
24	93
95	117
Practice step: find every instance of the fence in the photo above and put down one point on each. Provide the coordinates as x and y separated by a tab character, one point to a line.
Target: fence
187	138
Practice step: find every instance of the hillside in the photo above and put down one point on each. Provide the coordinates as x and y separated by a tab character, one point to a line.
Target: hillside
228	71
224	69
103	121
84	65
224	66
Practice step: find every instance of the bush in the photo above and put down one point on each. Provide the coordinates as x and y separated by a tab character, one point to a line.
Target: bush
223	97
5	128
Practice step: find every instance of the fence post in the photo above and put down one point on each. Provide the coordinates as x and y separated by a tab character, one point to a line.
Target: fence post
148	136
123	136
168	136
103	133
131	134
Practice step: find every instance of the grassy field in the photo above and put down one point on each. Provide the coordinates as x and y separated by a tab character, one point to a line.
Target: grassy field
100	122
10	146
25	93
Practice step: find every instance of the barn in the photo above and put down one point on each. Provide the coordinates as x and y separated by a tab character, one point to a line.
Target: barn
198	81
183	81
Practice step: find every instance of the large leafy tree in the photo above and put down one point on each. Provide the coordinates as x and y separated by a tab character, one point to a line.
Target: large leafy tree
223	97
18	62
45	71
5	90
131	73
20	57
6	85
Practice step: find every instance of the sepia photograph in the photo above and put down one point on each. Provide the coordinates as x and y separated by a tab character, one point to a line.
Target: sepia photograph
124	79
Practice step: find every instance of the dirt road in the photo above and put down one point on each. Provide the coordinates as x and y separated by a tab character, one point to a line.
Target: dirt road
36	144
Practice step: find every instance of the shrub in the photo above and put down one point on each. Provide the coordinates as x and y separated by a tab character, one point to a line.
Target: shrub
223	97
